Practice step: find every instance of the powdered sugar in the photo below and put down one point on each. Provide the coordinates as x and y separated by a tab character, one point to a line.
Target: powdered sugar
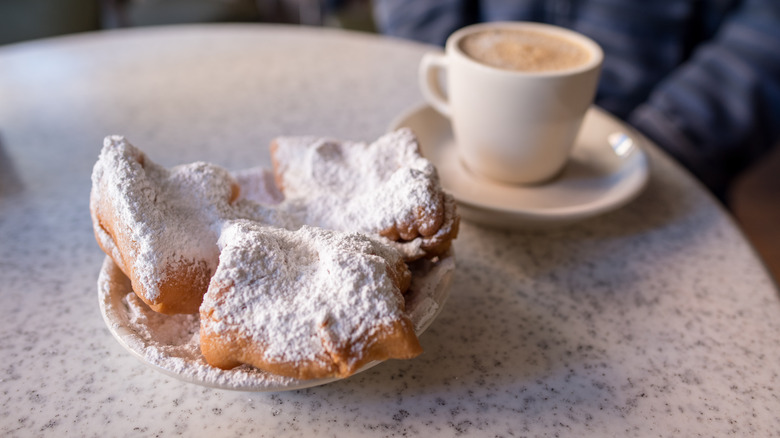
257	185
358	186
170	216
171	330
301	294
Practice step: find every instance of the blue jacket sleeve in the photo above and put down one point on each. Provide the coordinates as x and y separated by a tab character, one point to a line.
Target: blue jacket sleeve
720	111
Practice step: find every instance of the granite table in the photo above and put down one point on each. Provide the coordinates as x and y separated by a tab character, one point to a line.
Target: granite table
657	319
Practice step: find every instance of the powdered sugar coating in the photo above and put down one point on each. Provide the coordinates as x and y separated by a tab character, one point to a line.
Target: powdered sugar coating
172	217
302	295
257	185
385	187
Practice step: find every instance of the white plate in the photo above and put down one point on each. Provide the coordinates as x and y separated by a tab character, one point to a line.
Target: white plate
169	343
606	170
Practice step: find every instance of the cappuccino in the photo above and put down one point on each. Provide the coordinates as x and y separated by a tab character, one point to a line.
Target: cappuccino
524	50
515	126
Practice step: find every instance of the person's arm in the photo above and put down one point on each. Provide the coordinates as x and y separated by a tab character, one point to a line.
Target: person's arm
720	111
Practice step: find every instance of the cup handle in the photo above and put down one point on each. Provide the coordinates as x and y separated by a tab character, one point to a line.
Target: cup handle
430	65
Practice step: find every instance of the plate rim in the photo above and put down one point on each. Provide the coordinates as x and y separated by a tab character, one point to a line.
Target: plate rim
131	341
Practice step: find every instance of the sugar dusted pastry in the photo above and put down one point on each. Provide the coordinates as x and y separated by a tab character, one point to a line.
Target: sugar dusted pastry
308	304
160	226
385	188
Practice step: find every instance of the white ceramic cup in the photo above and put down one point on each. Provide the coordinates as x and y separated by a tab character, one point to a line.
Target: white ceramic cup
512	126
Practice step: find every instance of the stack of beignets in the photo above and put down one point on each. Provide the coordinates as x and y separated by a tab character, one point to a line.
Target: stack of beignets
310	287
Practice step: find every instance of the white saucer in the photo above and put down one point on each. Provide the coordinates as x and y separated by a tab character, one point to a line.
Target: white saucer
607	169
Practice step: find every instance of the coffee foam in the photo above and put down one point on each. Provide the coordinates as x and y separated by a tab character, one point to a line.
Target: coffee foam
524	50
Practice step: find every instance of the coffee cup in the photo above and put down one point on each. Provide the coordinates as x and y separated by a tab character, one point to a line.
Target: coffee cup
515	93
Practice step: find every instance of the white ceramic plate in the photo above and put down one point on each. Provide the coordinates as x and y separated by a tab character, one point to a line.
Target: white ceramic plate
606	170
169	343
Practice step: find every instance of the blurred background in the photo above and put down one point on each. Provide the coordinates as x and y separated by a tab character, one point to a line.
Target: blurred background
755	198
29	19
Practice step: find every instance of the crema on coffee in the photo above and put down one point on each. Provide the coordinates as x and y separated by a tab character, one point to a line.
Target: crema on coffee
524	50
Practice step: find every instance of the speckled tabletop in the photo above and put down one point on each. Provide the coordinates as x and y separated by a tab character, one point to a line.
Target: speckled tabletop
657	319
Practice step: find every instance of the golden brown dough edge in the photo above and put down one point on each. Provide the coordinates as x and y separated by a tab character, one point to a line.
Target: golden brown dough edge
441	242
184	285
390	341
276	165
